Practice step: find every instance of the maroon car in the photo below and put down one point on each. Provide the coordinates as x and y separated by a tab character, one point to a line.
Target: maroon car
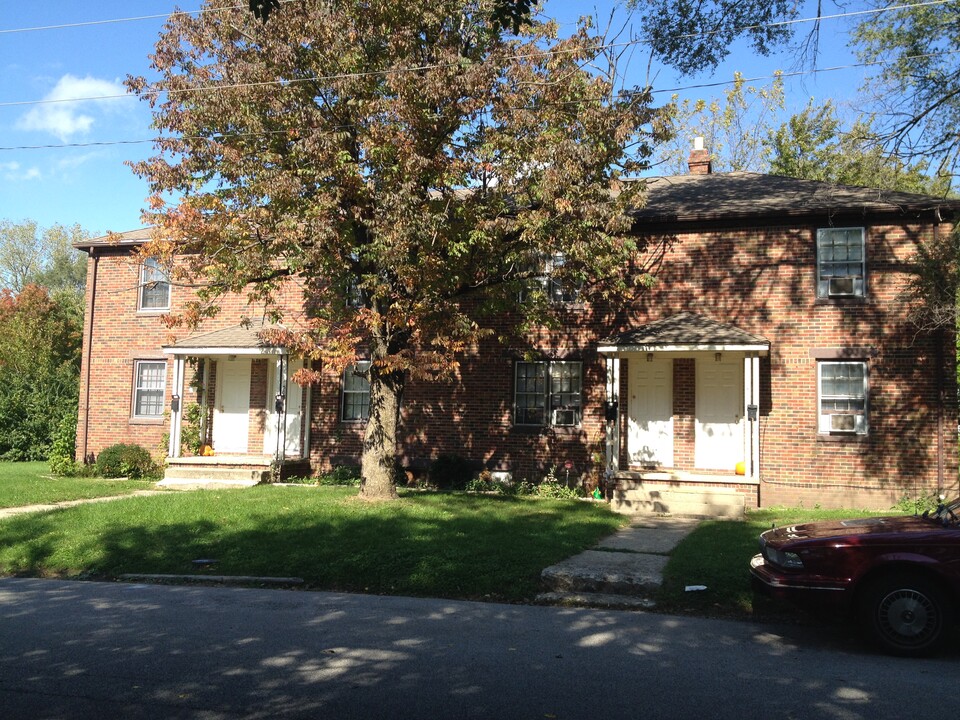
899	575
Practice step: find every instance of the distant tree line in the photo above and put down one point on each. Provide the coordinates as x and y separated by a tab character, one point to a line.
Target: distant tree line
42	280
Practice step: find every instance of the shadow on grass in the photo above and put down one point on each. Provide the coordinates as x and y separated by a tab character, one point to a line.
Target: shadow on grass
440	545
717	555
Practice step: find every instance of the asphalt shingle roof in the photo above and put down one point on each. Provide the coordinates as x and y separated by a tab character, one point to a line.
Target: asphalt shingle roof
685	329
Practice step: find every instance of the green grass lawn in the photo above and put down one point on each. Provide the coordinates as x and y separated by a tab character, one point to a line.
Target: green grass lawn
717	554
427	544
30	483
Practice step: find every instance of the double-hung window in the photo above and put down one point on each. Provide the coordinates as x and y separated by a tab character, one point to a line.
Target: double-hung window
557	290
548	393
154	286
355	403
841	268
842	397
149	379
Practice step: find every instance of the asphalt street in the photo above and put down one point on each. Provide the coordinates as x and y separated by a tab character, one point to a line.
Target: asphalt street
101	650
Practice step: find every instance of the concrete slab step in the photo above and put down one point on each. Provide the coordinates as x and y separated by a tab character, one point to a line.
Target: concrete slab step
214	474
636	498
615	573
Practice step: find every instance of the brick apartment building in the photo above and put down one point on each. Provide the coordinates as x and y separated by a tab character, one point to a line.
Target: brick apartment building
771	362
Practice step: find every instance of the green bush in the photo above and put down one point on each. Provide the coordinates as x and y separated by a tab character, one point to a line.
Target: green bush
340	475
64	446
126	460
450	471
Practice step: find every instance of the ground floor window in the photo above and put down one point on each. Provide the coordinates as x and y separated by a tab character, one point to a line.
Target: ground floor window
148	388
548	393
355	403
842	397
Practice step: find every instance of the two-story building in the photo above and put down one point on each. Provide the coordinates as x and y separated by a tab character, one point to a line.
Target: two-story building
772	362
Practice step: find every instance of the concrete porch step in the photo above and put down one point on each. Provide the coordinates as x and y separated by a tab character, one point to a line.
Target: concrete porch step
632	496
214	474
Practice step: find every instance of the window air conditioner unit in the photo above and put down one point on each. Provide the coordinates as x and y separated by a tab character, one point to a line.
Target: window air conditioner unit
564	417
840	286
846	423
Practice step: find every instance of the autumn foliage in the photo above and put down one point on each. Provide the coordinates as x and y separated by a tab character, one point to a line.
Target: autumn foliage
406	167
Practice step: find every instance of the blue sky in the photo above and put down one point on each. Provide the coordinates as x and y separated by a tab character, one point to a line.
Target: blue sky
90	184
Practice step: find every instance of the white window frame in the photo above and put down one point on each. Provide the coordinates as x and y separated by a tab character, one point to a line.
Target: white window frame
141	386
354	385
826	424
550	388
153	280
836	277
553	289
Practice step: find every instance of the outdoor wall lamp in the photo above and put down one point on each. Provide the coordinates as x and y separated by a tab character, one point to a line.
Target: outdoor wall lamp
649	357
278	402
175	403
717	357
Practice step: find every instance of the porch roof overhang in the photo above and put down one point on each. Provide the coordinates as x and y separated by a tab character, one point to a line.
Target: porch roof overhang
236	340
684	333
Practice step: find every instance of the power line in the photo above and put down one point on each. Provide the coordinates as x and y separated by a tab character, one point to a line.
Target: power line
438	66
699	86
112	21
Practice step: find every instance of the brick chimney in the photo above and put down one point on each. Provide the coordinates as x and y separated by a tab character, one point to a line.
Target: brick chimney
699	160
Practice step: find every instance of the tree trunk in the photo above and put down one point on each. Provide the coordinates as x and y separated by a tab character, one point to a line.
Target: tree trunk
378	462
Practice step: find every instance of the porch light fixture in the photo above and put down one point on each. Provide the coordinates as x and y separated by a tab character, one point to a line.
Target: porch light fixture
278	402
649	357
174	403
717	357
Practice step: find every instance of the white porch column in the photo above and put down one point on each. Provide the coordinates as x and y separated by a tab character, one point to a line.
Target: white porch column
613	426
176	406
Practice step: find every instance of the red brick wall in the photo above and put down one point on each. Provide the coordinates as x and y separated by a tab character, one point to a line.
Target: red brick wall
759	279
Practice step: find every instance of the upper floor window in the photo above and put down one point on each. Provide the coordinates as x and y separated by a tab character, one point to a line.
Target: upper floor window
547	393
355	402
149	378
842	397
840	262
556	289
154	286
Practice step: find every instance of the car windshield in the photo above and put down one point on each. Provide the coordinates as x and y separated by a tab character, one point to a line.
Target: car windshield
948	513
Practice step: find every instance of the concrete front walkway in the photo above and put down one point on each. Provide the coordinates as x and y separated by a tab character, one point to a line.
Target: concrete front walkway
624	570
22	510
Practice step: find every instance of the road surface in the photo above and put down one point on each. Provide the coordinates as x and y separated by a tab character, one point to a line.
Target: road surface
99	650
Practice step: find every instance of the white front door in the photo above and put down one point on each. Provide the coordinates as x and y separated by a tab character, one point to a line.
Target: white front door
292	445
231	414
719	431
650	411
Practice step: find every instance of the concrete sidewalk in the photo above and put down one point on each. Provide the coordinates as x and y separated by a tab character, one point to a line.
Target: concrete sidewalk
47	507
624	570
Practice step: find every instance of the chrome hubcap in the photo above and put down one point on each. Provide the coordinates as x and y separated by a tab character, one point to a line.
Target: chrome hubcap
908	615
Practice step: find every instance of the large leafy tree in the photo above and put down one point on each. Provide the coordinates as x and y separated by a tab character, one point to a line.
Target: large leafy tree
813	144
404	165
734	129
39	366
917	86
43	256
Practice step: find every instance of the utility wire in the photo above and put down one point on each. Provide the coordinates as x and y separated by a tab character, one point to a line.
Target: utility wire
438	66
798	73
112	21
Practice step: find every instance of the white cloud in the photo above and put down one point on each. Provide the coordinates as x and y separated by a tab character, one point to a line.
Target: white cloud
69	111
14	171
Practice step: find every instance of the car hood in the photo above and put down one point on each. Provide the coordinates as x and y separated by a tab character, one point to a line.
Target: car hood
850	528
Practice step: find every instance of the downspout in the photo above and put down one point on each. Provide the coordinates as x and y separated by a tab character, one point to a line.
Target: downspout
90	310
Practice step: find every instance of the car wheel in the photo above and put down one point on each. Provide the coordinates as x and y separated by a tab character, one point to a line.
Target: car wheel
906	614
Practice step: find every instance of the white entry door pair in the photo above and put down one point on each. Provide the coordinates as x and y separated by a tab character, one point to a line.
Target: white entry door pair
718	432
231	415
